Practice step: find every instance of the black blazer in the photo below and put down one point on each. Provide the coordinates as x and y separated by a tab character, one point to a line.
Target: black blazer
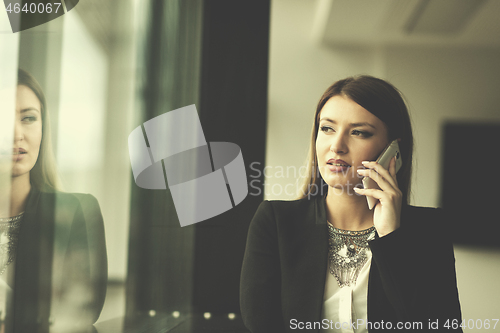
412	276
61	264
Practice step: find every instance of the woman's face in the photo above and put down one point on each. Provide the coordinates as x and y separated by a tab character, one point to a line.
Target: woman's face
27	131
347	135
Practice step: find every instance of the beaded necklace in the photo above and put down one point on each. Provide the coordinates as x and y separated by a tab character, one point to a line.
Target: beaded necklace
9	236
348	253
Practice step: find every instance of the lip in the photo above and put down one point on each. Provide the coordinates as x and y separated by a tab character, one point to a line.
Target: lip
18	154
337	168
336	161
19	150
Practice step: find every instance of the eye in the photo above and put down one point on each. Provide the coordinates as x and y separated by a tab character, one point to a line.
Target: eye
29	119
326	129
363	134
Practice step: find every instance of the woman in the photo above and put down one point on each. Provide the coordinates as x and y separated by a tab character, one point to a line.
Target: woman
328	263
55	253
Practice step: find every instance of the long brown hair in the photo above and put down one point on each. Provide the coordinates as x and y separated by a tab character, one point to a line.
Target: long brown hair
43	175
384	101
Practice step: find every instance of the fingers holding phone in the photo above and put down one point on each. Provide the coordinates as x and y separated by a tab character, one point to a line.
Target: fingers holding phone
385	181
380	175
380	166
381	189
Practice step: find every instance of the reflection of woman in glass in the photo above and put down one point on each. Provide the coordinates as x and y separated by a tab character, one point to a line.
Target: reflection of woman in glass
328	263
52	244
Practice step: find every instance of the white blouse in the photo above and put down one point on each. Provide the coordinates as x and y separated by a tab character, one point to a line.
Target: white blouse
346	308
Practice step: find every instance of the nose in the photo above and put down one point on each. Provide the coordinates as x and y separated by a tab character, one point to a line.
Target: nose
18	132
339	145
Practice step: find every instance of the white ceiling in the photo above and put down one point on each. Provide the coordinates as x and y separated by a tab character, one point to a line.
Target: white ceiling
469	23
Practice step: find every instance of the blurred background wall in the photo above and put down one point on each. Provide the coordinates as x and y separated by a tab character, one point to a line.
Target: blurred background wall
444	57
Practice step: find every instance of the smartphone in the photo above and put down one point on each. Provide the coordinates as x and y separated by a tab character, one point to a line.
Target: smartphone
384	159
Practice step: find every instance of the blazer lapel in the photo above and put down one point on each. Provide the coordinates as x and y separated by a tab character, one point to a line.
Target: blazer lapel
312	256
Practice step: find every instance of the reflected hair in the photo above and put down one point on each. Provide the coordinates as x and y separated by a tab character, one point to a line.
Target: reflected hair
43	176
384	101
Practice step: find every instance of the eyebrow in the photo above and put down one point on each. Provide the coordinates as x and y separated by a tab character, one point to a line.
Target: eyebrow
30	109
351	124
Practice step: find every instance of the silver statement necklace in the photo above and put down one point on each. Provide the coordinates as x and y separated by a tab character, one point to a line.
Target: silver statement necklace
9	236
347	253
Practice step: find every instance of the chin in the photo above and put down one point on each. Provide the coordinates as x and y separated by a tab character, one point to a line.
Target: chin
16	172
343	183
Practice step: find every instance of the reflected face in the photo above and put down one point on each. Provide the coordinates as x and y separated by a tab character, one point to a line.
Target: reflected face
27	132
347	135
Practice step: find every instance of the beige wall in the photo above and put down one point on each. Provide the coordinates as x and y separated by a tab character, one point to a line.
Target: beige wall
443	85
439	84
